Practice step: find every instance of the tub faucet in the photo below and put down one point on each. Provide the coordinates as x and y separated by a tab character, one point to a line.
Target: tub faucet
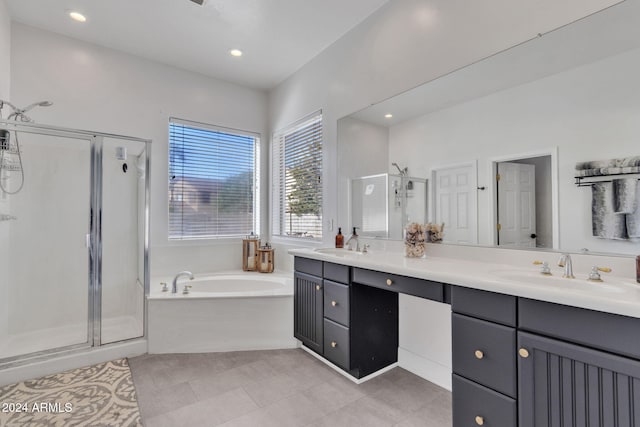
174	285
565	261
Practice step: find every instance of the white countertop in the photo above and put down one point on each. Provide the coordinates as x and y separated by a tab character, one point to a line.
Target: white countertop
619	295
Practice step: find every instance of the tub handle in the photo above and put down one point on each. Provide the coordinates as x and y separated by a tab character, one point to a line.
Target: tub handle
185	291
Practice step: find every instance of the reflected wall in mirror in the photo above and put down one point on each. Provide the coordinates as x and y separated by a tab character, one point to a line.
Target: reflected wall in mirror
572	95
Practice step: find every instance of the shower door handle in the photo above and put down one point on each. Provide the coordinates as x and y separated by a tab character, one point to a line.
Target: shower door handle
87	241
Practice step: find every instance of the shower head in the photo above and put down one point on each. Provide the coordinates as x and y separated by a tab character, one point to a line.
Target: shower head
402	171
37	104
19	113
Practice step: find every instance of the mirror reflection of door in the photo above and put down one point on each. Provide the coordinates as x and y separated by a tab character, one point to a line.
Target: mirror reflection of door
516	205
524	203
455	203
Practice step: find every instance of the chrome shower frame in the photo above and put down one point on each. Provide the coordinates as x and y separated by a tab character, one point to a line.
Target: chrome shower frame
94	321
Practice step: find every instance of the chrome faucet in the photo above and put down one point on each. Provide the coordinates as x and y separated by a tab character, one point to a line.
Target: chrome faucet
353	239
174	285
565	261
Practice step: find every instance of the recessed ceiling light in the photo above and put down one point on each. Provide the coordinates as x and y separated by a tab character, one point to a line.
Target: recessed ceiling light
77	16
388	116
235	52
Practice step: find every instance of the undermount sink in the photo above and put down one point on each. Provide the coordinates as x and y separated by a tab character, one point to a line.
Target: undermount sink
340	252
609	284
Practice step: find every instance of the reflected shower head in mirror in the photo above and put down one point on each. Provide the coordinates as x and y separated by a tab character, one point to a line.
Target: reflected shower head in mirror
403	172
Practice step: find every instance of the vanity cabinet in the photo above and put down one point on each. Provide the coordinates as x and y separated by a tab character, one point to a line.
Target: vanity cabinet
516	361
307	311
350	315
308	303
484	364
577	366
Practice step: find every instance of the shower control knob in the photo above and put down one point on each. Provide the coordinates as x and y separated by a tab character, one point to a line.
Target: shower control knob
165	287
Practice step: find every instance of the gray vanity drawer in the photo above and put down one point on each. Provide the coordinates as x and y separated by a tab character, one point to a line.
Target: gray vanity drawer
605	331
336	343
484	305
471	400
336	302
406	285
336	272
309	266
485	352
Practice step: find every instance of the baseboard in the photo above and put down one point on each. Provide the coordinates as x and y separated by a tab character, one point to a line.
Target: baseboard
429	370
72	360
345	373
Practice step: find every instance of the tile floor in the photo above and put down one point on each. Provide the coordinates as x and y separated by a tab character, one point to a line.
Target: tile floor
278	388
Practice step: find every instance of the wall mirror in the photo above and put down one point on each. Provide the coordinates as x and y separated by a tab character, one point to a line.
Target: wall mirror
496	143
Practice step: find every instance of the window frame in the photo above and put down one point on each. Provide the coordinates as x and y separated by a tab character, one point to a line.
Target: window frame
277	182
257	202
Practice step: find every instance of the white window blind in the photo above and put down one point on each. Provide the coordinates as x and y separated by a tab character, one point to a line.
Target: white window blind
213	181
297	179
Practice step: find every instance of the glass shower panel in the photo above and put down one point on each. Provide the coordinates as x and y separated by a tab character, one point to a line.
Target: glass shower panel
369	205
123	237
44	255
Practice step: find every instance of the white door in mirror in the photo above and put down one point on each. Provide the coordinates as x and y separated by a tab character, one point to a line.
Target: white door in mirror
516	205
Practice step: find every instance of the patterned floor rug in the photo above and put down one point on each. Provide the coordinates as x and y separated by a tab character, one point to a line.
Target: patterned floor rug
99	395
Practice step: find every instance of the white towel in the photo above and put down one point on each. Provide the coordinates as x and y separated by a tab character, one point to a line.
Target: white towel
605	222
633	219
624	195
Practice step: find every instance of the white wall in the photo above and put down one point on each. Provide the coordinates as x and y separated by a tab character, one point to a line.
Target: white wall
105	90
589	113
5	60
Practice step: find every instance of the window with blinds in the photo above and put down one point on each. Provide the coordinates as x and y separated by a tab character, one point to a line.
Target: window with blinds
213	181
297	179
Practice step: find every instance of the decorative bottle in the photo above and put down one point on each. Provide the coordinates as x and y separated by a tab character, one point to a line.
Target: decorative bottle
339	238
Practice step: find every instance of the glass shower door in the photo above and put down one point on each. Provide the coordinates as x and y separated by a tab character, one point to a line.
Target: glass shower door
123	239
45	299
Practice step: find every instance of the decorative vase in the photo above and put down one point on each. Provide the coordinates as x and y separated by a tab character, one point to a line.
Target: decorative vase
414	240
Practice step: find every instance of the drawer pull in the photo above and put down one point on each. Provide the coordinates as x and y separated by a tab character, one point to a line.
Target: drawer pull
479	420
389	282
334	303
524	353
479	354
334	344
317	287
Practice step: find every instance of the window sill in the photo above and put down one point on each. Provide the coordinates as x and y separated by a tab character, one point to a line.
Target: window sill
292	241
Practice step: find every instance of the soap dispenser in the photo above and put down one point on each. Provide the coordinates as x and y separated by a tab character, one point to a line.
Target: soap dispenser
339	238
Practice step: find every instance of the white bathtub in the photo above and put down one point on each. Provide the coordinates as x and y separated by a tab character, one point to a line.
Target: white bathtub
222	312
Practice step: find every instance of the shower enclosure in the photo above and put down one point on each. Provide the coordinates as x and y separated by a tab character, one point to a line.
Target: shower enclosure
74	234
381	205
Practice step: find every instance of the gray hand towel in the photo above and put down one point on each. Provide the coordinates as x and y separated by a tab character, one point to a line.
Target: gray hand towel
624	195
605	222
633	219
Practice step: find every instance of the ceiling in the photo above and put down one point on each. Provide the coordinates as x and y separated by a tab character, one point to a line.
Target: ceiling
277	37
600	35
